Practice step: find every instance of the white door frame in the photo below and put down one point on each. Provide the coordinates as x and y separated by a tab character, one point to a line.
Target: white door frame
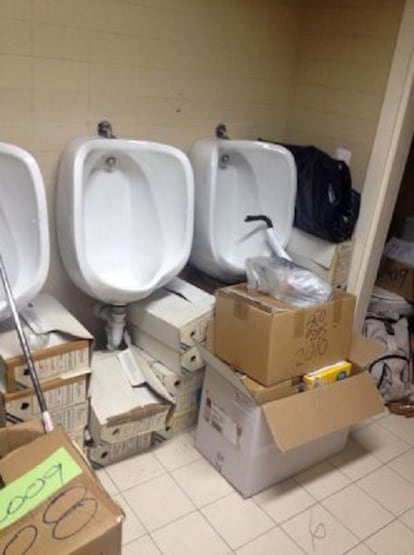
385	168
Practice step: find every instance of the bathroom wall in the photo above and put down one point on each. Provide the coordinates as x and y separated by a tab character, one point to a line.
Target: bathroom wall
163	70
170	70
344	53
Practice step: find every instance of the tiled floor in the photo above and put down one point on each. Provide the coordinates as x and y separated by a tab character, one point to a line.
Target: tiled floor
359	502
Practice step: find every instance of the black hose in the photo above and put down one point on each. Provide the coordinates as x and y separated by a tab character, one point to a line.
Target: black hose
258	218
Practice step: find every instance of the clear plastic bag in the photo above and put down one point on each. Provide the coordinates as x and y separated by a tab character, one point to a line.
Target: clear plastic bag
286	281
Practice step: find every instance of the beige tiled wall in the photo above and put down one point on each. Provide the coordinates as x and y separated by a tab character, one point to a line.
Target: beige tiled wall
344	55
170	70
163	70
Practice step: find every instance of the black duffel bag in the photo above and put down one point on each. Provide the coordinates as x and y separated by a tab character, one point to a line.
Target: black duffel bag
326	205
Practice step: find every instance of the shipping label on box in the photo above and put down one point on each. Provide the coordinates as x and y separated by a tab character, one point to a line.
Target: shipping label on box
67	512
272	341
61	345
104	454
59	395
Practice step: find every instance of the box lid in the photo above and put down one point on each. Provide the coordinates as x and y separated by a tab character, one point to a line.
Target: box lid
364	351
48	320
308	416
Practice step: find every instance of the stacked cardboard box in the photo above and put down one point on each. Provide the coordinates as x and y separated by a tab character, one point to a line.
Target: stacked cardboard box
169	327
128	404
260	429
62	353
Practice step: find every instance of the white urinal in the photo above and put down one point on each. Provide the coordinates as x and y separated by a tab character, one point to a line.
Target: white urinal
124	216
24	231
234	179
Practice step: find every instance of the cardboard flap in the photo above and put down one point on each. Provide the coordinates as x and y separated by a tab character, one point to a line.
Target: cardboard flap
188	292
45	314
364	351
307	416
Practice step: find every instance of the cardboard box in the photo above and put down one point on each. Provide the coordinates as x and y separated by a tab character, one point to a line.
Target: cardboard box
272	341
179	423
71	514
186	390
104	454
330	261
60	394
397	277
171	323
72	417
255	446
126	398
59	344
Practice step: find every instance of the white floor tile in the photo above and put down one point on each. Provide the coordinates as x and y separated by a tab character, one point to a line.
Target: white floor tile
143	546
390	489
237	520
400	426
107	482
355	461
348	506
380	442
177	452
135	470
275	541
408	518
404	465
201	482
394	538
190	534
284	500
158	502
131	527
322	479
368	421
317	531
360	549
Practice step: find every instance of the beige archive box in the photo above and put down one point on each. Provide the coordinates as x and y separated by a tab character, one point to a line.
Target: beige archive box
330	261
60	344
171	323
61	395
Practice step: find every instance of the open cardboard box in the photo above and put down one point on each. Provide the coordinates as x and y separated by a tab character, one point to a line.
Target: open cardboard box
255	446
272	341
60	344
52	502
396	276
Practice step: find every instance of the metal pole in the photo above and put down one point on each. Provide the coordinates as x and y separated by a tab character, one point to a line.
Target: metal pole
46	418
